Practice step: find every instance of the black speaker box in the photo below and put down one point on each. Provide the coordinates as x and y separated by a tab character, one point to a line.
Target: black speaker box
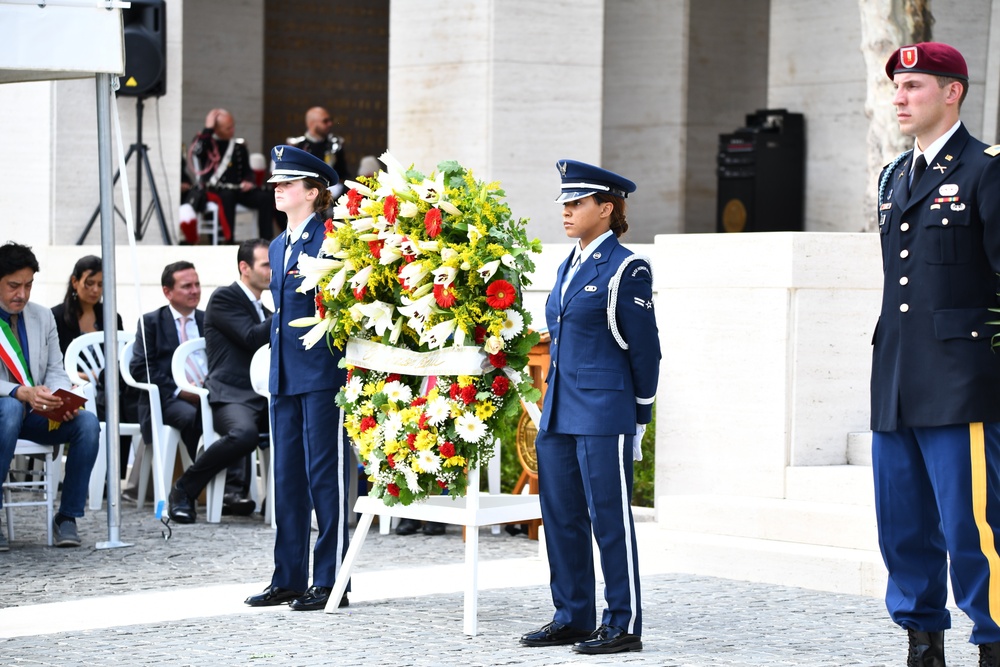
145	25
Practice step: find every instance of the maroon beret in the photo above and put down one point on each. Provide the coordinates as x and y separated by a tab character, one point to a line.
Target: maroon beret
929	58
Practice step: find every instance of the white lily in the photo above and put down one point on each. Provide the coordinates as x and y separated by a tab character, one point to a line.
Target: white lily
429	246
487	270
363	224
508	260
445	275
360	279
431	190
337	282
473	234
360	187
409	246
448	254
397	329
379	315
437	335
313	269
340	212
393	180
449	208
367	237
413	273
331	246
408	209
418	310
423	291
320	327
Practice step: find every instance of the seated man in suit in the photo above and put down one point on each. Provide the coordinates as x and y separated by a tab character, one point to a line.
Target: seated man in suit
236	325
165	329
31	369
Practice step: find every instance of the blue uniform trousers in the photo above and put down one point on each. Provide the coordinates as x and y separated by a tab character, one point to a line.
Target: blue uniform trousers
937	494
584	485
311	468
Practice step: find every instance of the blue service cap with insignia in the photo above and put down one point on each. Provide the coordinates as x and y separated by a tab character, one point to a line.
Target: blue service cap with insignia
580	180
294	164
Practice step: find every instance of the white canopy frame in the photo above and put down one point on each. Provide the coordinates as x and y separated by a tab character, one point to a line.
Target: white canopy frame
73	39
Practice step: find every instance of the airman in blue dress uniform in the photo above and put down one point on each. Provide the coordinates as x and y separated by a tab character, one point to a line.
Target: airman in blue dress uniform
311	450
605	355
935	386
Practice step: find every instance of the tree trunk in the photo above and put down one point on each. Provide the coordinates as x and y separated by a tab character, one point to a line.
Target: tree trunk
886	25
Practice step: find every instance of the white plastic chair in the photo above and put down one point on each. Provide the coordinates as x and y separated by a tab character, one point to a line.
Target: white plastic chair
47	484
208	221
260	369
165	438
85	354
215	491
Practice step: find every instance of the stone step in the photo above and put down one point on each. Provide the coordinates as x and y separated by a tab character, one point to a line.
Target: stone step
848	526
825	568
845	484
859	448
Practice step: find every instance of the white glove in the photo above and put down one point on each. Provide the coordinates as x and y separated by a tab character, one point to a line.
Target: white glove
640	430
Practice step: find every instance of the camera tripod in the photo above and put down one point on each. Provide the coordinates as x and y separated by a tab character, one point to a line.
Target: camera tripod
142	218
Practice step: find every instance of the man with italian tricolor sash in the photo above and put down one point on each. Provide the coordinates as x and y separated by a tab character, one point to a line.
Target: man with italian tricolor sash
31	370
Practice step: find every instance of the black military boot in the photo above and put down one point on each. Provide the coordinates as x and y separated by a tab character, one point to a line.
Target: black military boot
927	649
989	655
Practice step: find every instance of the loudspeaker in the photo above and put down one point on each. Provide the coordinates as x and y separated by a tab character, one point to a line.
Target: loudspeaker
145	25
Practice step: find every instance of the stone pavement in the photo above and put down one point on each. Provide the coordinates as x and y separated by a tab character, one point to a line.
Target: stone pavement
179	602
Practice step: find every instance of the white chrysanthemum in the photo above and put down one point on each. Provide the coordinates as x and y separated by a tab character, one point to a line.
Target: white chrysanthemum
392	425
352	390
470	427
397	392
437	410
427	461
412	483
513	325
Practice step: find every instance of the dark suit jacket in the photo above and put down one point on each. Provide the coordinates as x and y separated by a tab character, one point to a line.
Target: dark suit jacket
932	363
594	386
161	341
294	369
232	334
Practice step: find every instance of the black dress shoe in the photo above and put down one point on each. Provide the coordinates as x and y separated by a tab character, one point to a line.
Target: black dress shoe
609	639
272	596
181	508
433	528
407	526
927	649
314	598
554	634
234	504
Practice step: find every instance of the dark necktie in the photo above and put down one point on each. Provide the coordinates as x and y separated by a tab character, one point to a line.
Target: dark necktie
13	327
919	167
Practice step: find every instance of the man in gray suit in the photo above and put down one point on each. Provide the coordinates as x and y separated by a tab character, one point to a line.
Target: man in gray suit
31	370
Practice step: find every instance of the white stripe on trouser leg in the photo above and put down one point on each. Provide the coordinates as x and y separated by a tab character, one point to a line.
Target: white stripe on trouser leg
342	515
630	557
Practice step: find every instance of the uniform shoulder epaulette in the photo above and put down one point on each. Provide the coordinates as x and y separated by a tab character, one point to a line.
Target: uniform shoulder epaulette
992	151
647	265
295	141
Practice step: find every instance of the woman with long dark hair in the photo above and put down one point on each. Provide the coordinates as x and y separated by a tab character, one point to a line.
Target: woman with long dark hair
81	310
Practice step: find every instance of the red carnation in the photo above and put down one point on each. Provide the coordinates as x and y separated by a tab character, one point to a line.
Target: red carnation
479	334
442	484
391	461
422	421
500	294
392	377
418	401
432	222
447	450
411	438
329	225
445	296
376	248
390	209
500	385
393	490
367	423
354	201
453	391
350	374
468	394
320	308
499	360
359	292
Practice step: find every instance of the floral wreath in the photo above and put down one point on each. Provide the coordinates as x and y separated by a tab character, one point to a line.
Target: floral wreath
420	279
